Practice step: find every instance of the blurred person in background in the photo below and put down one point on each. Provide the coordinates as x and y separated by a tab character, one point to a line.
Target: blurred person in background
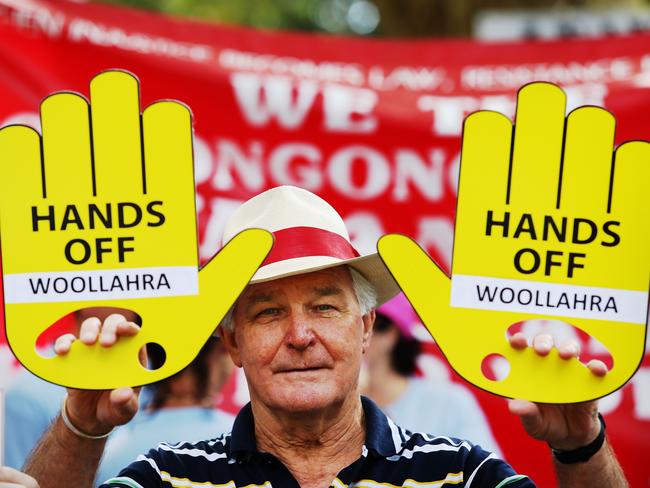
31	403
417	403
181	408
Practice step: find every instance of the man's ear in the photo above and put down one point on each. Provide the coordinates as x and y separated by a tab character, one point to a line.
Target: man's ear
368	320
230	341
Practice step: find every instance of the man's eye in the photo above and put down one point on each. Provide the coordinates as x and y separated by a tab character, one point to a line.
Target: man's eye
269	311
324	307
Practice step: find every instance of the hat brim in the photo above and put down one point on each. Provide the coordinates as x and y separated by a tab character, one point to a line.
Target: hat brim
371	268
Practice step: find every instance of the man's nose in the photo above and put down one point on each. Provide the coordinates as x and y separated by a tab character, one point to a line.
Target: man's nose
299	332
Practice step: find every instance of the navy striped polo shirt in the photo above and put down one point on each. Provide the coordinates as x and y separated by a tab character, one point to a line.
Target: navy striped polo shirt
391	457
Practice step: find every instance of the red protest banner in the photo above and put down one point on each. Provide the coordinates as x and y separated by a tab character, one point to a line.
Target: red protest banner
373	126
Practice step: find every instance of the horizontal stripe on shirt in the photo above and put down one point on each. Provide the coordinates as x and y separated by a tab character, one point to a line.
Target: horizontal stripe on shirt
391	457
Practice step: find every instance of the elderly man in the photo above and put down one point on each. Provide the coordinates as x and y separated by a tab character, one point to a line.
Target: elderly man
299	331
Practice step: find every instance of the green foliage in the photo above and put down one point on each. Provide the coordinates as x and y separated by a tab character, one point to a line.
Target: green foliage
276	14
397	18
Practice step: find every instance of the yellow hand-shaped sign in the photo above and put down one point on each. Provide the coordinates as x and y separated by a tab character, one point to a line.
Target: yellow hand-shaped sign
548	224
100	211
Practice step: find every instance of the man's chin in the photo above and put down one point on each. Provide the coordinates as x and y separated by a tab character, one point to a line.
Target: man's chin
306	397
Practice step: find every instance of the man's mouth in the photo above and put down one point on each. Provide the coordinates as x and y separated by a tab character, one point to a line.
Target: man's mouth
301	370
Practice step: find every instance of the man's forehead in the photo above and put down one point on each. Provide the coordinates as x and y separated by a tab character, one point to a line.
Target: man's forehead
331	281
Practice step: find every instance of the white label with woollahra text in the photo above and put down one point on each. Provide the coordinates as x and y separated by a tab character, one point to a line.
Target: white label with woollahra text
108	284
587	302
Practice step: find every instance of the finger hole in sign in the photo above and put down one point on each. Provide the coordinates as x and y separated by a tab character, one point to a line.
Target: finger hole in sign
156	356
495	367
70	324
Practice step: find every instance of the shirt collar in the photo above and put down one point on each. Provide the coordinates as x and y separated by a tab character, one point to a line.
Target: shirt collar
242	438
382	435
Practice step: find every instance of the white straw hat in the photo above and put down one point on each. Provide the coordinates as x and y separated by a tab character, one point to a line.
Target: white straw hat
309	235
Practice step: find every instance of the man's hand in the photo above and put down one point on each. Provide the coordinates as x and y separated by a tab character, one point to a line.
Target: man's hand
570	426
566	426
63	457
96	412
10	478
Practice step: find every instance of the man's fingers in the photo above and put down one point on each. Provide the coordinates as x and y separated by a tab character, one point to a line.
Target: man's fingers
569	349
90	330
113	327
62	344
597	367
112	331
121	396
124	402
529	414
11	478
542	344
108	335
518	341
127	329
142	356
523	408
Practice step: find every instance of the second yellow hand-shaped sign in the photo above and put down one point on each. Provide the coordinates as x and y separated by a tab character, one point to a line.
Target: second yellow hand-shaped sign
105	213
547	227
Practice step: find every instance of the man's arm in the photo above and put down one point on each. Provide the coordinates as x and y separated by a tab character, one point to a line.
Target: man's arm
569	427
602	469
61	458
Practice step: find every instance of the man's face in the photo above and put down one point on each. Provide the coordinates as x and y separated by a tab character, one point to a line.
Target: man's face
300	340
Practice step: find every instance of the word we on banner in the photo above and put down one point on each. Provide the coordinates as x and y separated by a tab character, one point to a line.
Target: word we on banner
373	126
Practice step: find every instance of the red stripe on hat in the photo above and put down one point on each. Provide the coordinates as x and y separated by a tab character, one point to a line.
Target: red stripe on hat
300	242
